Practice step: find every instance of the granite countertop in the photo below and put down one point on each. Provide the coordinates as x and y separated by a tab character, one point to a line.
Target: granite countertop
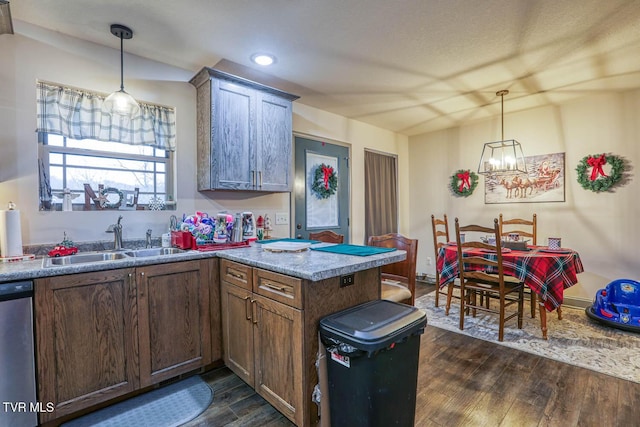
309	264
33	269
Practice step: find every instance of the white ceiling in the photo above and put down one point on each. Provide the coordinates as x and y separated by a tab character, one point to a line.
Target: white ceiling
410	66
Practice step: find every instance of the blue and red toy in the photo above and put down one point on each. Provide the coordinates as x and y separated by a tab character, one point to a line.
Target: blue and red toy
618	305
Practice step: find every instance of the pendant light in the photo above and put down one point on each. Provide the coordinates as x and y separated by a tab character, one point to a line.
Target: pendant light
6	25
502	157
121	103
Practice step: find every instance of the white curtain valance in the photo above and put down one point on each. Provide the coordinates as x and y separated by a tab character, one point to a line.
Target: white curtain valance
77	114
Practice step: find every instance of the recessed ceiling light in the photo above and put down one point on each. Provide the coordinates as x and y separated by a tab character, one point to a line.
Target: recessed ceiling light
263	59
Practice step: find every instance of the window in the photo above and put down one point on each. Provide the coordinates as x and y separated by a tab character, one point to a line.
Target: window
111	161
120	175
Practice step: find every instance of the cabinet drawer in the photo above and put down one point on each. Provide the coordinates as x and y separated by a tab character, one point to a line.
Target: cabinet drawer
285	289
238	274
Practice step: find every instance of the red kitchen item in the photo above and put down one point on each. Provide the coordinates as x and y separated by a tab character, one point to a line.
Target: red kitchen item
183	240
219	246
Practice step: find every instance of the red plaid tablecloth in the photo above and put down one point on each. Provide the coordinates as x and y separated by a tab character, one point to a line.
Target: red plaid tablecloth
547	274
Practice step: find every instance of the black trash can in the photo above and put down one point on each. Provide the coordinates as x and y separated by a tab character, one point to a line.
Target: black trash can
372	363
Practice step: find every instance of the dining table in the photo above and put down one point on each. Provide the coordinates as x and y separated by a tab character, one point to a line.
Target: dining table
547	272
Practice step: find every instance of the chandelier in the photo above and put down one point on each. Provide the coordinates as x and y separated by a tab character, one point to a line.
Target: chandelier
502	157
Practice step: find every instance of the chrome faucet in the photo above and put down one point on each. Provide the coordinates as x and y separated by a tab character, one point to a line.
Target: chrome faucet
116	229
148	244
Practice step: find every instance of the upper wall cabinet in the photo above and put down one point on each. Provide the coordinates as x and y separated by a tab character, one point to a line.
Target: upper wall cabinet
244	134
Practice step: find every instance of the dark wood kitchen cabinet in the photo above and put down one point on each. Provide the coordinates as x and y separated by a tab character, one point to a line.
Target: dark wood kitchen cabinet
173	319
87	341
263	337
244	134
270	330
104	334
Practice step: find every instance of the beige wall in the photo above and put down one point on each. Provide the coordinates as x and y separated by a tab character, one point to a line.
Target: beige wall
602	227
34	53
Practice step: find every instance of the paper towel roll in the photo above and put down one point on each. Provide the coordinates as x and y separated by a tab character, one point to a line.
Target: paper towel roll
10	233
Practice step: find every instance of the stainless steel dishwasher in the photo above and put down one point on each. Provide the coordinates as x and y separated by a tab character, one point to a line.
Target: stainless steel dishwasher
17	367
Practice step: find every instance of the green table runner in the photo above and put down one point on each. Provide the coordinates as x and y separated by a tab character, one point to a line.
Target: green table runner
357	250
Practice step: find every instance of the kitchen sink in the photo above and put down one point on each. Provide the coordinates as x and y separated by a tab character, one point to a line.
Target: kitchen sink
83	258
139	253
87	257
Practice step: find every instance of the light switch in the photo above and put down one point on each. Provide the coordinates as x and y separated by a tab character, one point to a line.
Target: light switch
282	218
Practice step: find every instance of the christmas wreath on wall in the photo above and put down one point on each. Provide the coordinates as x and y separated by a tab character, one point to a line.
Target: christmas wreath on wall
325	181
596	179
463	183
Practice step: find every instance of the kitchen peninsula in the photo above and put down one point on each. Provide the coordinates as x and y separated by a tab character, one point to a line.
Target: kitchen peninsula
271	307
264	307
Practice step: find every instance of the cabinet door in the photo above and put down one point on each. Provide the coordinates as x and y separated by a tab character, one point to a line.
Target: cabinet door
86	339
237	331
278	356
174	322
233	156
274	155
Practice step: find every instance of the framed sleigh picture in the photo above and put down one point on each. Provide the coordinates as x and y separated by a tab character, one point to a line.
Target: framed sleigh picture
543	182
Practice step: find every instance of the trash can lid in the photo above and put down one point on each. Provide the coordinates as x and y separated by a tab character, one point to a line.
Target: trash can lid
376	323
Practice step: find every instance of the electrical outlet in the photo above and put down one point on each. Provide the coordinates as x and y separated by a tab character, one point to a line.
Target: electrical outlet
347	280
282	218
429	260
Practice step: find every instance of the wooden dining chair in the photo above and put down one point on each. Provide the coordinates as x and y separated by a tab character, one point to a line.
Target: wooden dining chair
398	280
525	228
440	228
327	236
475	280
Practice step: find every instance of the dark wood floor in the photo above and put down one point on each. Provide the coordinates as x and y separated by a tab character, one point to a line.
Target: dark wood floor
463	381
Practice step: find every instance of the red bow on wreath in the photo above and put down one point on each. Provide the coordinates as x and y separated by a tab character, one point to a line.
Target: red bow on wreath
464	177
596	164
327	171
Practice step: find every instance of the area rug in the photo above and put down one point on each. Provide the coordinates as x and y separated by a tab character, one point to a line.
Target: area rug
575	339
171	405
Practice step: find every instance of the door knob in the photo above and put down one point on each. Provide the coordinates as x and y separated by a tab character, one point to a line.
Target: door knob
299	226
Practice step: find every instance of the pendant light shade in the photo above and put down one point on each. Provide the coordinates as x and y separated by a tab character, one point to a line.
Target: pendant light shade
505	156
6	25
120	103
